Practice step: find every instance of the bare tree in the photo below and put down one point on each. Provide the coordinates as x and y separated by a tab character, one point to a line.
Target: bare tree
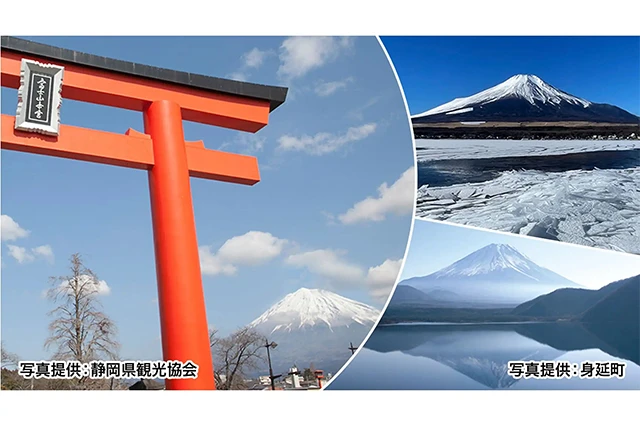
79	329
7	377
234	356
8	360
214	341
213	338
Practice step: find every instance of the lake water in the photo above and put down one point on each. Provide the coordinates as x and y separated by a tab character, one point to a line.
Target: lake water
442	173
475	357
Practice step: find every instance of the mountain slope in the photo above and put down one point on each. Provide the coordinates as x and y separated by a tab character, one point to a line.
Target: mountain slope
407	294
568	302
622	305
524	98
315	326
616	319
495	273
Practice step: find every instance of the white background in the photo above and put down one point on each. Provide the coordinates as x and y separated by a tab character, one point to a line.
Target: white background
328	17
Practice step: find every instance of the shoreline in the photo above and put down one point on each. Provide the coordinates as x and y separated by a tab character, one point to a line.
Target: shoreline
433	150
469	323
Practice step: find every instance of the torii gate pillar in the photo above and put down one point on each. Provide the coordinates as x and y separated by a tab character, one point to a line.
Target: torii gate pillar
183	319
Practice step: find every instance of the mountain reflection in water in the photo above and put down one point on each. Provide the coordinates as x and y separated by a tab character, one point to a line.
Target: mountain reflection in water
467	357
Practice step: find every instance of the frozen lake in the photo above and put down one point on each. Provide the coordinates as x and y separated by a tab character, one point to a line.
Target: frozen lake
599	208
448	149
440	173
566	192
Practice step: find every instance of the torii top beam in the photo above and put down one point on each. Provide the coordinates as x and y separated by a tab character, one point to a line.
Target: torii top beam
115	83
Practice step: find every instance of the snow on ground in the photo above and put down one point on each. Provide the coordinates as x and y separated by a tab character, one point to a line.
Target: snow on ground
599	208
447	149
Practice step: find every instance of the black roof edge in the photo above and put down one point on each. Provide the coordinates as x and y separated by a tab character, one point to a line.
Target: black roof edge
276	95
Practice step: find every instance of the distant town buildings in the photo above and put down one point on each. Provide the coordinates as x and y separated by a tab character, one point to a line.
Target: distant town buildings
293	380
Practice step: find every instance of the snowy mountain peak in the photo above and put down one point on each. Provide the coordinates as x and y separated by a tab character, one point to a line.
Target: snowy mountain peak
523	86
492	258
533	89
312	307
503	250
524	78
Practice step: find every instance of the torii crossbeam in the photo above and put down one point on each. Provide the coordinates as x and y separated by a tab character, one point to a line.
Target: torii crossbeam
165	97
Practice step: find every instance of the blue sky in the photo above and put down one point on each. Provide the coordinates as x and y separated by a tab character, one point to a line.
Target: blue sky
436	70
348	140
435	245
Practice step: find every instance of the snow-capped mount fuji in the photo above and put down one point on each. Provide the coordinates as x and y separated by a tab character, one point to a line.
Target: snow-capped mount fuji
496	273
315	326
500	260
307	308
524	98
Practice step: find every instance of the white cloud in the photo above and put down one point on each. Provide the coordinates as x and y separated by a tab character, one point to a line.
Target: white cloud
257	247
324	142
212	265
11	230
299	55
250	249
329	88
45	252
358	113
381	278
251	60
250	143
24	255
90	283
329	264
20	254
399	199
331	218
255	57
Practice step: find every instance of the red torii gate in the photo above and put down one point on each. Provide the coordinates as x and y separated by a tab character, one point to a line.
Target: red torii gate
165	97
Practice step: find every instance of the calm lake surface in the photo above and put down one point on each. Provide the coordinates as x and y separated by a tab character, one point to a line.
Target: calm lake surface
475	357
442	173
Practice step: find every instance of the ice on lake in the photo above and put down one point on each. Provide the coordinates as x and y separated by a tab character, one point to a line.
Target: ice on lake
449	149
598	208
